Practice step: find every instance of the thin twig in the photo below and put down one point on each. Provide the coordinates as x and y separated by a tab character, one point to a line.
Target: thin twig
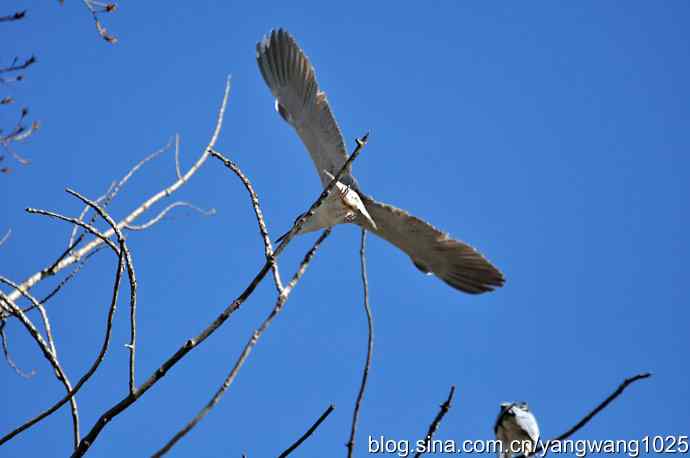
15	66
14	17
123	181
132	284
256	335
370	343
41	309
82	215
102	236
8	357
59	372
309	432
94	8
94	366
48	349
115	187
268	248
433	427
177	156
70	276
190	344
161	215
590	415
129	219
6	236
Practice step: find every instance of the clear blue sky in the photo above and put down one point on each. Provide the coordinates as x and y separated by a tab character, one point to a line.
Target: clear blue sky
553	138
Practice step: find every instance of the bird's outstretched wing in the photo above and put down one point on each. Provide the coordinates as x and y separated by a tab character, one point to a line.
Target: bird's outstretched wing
290	76
431	250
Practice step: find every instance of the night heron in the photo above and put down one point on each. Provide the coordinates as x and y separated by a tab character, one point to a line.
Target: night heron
517	429
290	76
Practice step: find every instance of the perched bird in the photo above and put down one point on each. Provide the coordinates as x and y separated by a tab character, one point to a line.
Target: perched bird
300	102
517	429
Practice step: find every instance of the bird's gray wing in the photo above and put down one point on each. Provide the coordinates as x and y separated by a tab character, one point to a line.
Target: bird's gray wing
431	250
290	76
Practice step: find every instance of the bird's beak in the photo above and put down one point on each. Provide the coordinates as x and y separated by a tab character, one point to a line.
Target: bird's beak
368	217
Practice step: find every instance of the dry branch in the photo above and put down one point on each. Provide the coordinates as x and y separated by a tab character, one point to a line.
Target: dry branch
268	248
94	366
370	343
309	432
8	357
95	8
13	17
5	237
132	283
116	187
137	212
433	427
618	391
14	67
253	340
48	348
156	219
190	344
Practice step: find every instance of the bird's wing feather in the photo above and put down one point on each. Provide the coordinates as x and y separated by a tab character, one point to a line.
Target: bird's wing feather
290	76
432	250
528	423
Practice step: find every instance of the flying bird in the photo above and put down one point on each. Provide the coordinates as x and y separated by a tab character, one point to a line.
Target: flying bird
292	81
517	430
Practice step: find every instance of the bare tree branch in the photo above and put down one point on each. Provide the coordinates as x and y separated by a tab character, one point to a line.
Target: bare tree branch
116	187
433	427
96	7
132	284
48	349
370	343
68	277
19	132
21	289
129	219
8	357
268	248
82	215
256	335
99	235
309	432
177	156
5	237
16	66
603	405
13	17
586	419
190	344
162	214
99	358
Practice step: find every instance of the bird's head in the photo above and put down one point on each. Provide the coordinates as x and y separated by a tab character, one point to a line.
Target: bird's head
350	199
